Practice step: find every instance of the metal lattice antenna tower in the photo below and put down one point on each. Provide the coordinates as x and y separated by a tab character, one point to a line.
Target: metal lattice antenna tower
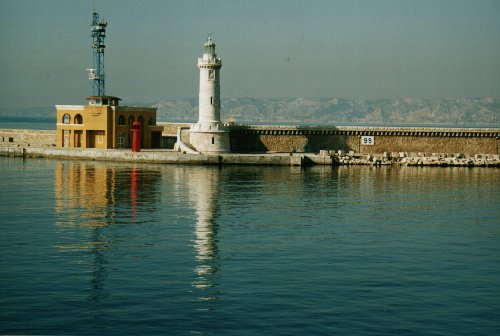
96	74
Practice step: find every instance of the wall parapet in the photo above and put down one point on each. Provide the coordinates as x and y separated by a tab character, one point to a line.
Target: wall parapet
27	137
366	131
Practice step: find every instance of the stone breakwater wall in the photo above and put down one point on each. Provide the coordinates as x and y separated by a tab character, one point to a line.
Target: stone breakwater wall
311	139
27	138
304	139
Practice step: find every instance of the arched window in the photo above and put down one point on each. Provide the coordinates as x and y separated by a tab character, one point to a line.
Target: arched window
131	120
141	121
78	119
66	119
150	122
121	120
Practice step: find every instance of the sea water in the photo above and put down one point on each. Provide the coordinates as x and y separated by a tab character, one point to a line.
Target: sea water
33	123
114	248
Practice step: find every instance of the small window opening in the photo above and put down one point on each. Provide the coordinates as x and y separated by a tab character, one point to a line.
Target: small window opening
78	119
66	119
211	100
213	140
121	120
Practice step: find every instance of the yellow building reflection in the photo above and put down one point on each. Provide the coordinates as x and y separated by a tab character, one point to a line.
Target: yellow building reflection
84	191
91	196
97	194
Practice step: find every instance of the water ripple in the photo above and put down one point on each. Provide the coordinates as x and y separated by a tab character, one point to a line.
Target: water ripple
111	248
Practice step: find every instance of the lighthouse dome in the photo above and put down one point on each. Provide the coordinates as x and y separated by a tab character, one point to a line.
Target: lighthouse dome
209	46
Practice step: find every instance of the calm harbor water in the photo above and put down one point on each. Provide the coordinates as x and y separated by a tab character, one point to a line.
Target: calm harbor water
110	248
34	123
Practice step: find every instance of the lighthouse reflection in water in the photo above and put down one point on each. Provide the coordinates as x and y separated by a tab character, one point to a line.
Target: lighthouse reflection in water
203	190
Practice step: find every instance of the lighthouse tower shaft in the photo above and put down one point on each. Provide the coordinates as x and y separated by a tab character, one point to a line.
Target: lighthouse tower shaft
209	135
209	94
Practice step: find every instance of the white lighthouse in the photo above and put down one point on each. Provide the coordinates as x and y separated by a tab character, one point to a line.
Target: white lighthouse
209	135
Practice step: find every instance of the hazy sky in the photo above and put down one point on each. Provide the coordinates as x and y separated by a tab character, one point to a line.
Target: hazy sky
269	48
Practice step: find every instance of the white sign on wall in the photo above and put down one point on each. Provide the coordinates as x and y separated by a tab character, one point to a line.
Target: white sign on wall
368	140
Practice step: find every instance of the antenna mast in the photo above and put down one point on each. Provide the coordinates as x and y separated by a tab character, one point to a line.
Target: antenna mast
96	74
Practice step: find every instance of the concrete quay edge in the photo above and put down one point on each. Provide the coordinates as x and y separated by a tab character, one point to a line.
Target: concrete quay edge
261	159
154	156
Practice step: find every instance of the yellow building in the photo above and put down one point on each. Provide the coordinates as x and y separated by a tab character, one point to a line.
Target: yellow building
104	124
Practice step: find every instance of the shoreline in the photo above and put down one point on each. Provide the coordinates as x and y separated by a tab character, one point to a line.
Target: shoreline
331	158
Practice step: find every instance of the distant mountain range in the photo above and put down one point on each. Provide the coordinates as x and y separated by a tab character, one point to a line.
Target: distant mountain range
465	111
326	111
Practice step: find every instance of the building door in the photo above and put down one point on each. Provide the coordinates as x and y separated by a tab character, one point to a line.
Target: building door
90	139
121	141
65	138
96	139
78	139
155	139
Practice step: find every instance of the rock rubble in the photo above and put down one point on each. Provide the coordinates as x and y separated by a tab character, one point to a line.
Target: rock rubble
416	159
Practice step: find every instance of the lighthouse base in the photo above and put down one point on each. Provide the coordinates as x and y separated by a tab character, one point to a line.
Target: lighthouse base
209	141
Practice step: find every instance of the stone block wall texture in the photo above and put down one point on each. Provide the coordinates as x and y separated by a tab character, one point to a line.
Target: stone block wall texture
312	139
171	128
26	137
416	144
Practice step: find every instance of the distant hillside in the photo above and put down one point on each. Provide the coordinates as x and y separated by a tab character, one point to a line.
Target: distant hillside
40	112
474	111
324	111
